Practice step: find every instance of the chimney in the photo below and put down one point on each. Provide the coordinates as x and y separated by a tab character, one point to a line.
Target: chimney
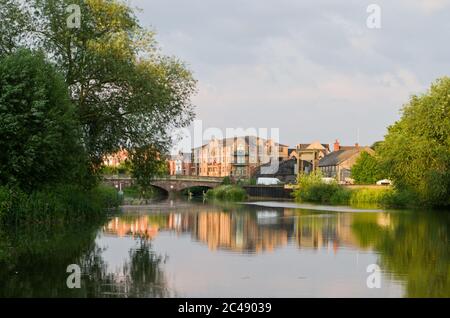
336	145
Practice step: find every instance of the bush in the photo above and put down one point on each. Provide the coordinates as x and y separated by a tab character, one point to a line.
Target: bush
399	199
60	204
341	196
367	169
227	192
313	189
226	180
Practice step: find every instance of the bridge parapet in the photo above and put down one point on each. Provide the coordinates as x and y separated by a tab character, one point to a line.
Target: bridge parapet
190	178
169	183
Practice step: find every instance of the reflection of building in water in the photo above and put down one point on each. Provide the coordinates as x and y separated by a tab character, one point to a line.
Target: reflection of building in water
140	226
239	232
244	231
317	231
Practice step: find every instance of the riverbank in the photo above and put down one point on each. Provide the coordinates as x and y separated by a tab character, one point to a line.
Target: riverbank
63	204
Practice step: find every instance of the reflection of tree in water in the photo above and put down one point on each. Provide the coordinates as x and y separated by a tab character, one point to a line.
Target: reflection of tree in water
38	257
413	247
141	274
36	263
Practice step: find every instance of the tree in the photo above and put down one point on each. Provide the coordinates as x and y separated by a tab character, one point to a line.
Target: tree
13	21
416	150
40	137
367	169
147	163
127	94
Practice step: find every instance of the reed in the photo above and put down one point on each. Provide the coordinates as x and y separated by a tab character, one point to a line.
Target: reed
59	204
228	193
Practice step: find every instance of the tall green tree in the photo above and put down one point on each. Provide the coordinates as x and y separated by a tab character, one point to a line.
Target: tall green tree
40	137
367	169
12	23
416	150
127	94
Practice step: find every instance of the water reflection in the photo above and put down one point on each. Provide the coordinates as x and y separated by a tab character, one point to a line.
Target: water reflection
253	230
199	249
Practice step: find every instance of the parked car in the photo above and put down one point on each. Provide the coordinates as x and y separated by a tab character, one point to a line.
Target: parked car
268	181
384	182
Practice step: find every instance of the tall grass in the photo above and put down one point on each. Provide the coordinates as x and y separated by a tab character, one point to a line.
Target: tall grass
59	204
228	193
369	195
313	189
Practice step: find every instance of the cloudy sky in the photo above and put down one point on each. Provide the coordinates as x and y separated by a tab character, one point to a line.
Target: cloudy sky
311	68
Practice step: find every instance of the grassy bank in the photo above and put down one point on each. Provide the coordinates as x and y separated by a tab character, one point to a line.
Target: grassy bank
59	204
313	189
336	194
228	193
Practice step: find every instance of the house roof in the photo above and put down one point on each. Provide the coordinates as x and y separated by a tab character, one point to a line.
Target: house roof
336	157
291	150
249	140
314	145
285	168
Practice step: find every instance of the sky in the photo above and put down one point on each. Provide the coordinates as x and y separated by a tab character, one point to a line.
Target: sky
313	69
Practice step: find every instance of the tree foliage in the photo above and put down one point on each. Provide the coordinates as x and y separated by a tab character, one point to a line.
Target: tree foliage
12	23
416	150
39	132
367	169
127	94
147	163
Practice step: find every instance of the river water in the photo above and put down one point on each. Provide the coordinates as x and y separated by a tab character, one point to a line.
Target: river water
256	249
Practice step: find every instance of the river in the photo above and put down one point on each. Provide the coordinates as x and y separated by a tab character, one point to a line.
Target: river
258	249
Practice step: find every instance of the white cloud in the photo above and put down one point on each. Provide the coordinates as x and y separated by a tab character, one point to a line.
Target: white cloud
312	69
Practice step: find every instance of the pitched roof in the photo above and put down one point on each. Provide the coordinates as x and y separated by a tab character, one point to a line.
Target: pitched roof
249	140
336	157
285	167
315	145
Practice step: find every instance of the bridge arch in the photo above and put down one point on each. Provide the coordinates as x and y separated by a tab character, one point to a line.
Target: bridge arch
172	184
177	186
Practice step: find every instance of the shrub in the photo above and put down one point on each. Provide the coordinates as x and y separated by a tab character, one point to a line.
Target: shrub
341	196
227	192
367	169
226	180
313	189
59	204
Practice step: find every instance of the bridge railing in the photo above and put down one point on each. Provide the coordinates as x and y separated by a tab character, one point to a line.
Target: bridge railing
190	178
169	178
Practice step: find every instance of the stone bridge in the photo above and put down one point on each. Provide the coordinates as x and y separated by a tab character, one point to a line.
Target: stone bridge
169	184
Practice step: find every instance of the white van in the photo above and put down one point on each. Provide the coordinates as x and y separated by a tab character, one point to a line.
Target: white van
268	181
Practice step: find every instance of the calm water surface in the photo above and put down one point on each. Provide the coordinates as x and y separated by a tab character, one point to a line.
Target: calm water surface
262	249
